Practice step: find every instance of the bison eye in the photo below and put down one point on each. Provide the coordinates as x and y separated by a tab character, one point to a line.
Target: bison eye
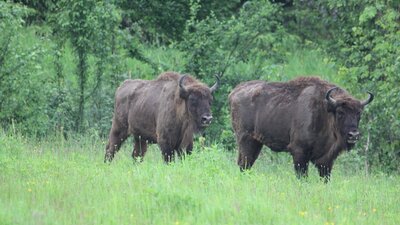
192	100
340	114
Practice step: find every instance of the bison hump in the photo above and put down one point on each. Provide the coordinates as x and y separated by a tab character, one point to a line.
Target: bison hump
166	76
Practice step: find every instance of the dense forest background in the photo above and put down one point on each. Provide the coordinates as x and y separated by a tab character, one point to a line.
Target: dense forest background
61	61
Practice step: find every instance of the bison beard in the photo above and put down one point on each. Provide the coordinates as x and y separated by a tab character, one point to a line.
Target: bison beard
167	111
308	117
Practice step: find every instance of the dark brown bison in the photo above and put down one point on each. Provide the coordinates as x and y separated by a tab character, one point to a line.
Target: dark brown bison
167	111
308	117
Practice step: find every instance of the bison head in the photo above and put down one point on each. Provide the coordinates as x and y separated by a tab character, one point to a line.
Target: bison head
347	112
198	98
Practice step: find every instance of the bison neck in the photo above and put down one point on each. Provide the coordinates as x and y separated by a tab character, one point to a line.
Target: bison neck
187	132
174	126
329	143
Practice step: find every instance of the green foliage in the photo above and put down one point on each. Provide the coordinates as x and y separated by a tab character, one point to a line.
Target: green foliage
90	26
39	8
162	22
373	61
310	62
216	44
22	93
155	21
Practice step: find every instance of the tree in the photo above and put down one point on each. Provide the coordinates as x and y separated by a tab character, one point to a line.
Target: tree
163	22
22	93
89	26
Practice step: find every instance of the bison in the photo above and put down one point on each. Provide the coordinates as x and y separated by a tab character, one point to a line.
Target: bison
167	111
312	119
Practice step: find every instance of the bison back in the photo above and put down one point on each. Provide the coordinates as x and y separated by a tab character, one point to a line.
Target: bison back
136	107
261	110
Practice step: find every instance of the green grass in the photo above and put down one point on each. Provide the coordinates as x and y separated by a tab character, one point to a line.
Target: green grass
60	181
310	62
166	59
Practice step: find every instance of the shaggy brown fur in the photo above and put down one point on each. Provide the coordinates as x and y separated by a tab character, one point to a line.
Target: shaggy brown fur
159	111
296	117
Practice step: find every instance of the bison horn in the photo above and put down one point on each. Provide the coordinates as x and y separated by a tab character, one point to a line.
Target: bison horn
370	98
216	85
329	98
182	90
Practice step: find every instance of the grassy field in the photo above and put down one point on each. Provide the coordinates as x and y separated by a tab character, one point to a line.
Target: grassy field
59	181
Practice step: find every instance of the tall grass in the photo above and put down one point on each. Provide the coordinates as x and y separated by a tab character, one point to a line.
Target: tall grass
298	62
61	181
164	58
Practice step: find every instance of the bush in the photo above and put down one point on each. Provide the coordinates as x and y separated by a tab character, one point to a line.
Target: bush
372	63
22	90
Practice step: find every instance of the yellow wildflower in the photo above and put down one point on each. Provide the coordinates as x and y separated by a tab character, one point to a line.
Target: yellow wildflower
303	213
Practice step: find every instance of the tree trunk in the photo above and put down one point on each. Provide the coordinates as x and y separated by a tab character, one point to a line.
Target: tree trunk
82	68
366	156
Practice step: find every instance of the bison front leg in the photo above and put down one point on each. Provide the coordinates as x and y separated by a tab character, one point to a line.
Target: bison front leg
140	149
167	153
189	148
182	154
325	170
116	138
300	163
249	149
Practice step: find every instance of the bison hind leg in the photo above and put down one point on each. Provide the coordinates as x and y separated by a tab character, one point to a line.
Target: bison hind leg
249	149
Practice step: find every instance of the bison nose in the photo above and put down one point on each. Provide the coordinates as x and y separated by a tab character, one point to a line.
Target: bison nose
352	137
354	134
206	119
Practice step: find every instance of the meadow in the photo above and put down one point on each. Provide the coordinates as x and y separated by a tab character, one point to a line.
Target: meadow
59	181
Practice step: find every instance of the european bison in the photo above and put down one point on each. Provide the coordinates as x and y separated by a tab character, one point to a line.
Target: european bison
312	119
167	111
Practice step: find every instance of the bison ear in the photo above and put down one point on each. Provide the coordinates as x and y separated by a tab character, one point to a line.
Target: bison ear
183	93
